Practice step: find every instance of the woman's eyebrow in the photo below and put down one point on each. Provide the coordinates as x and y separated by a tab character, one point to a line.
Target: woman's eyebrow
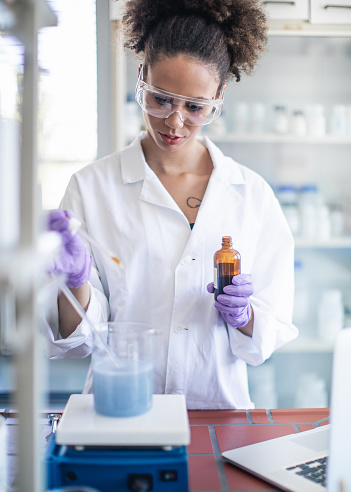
199	98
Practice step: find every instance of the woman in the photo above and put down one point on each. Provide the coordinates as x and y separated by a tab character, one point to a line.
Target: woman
164	203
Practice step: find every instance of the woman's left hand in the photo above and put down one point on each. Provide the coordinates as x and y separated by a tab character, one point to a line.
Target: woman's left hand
234	304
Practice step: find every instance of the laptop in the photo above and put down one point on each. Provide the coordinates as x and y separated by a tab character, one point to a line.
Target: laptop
316	460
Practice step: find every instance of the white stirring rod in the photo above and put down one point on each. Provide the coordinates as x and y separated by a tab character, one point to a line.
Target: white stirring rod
75	225
78	308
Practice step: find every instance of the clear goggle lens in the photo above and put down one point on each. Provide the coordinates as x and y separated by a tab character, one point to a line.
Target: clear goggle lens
162	104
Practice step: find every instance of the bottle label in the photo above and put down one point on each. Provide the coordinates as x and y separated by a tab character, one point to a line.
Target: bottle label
215	278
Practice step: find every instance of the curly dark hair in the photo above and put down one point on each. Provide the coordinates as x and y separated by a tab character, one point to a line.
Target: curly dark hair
228	35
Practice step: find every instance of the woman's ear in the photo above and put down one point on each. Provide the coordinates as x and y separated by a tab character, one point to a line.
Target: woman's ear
220	92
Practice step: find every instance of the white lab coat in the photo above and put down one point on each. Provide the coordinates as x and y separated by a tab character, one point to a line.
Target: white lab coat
167	267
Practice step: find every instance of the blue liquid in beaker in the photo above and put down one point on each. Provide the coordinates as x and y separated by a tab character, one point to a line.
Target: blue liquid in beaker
122	391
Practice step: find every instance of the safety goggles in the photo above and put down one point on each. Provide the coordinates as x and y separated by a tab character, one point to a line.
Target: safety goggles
162	104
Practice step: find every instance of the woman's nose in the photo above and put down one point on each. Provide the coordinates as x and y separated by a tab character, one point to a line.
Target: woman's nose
175	120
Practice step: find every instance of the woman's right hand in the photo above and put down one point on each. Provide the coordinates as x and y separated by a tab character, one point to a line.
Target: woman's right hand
74	260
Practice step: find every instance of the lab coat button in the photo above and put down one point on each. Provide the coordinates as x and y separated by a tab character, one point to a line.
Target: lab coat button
177	328
186	260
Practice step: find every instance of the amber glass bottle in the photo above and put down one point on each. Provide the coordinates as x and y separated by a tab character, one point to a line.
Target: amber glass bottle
226	264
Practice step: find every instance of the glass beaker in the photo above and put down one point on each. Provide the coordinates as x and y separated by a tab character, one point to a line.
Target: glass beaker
123	382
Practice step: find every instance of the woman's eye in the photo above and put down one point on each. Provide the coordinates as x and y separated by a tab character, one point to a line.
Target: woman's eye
162	100
194	107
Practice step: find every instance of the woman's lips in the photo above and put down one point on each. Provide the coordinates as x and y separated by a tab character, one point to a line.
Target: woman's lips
170	140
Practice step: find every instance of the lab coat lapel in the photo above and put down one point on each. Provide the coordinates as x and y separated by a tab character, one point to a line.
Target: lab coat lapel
135	169
154	192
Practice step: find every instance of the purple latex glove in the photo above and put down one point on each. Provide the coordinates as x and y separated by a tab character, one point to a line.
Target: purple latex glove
234	305
75	261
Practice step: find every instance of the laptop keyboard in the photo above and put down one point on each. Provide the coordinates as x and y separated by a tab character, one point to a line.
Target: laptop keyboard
312	470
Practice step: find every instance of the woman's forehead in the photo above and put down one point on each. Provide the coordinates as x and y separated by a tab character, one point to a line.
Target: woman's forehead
183	75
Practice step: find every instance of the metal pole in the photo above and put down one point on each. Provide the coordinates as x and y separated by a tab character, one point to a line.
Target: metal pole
119	71
28	356
105	127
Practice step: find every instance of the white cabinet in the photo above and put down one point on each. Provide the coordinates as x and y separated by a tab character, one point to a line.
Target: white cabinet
287	9
302	15
331	12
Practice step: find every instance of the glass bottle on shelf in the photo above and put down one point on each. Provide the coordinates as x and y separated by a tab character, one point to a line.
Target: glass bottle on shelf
336	220
288	199
308	203
323	221
241	118
317	125
338	121
299	123
258	118
280	120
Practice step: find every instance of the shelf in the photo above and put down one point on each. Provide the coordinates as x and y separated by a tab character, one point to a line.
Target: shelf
335	242
274	138
306	345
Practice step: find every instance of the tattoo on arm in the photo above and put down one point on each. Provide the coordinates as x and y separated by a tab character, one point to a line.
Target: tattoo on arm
193	202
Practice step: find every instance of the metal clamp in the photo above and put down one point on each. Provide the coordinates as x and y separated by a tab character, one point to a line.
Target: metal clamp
54	418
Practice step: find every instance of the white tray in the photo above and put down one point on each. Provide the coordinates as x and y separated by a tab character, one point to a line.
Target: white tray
166	424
